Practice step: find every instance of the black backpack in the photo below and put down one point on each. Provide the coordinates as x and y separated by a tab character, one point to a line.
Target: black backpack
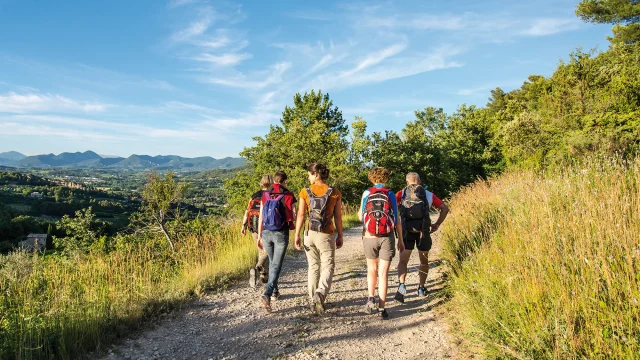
414	209
317	209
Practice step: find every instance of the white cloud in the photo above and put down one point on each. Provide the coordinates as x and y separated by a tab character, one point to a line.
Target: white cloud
197	27
229	59
75	127
244	120
273	77
376	57
394	68
179	3
414	21
550	26
21	129
12	102
178	105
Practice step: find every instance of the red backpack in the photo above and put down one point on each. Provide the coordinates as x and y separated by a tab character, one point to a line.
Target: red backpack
378	216
253	215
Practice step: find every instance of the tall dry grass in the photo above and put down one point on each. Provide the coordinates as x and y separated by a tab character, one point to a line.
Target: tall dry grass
547	266
56	307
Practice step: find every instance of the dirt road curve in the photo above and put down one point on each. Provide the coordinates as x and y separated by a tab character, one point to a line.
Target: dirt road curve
233	325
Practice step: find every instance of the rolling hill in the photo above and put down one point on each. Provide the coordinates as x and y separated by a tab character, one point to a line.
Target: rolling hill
90	159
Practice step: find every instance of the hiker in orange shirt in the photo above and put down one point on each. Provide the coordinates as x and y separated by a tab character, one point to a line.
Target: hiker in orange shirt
322	203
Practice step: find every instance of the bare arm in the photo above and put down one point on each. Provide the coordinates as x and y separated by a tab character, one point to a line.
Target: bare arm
337	216
444	211
361	209
299	222
244	222
260	227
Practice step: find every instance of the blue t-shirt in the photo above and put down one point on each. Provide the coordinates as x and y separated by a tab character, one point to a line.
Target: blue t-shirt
392	199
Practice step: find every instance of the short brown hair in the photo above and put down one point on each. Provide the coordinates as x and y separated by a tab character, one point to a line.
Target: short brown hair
378	175
319	169
279	177
266	181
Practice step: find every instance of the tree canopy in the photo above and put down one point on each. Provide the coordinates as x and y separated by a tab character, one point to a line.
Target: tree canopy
625	14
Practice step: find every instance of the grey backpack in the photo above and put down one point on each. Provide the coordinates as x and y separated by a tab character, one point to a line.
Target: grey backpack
317	209
414	209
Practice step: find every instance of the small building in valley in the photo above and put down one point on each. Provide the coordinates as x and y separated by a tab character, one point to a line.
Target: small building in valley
34	242
36	194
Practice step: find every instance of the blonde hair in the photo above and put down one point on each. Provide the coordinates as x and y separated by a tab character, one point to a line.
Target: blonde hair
266	181
378	175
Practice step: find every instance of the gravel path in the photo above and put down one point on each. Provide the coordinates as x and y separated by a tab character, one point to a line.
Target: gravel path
233	325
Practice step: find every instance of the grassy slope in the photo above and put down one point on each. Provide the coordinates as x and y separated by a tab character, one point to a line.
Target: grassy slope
61	308
547	266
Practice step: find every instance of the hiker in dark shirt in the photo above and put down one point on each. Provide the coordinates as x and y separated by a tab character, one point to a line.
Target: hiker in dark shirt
277	218
250	221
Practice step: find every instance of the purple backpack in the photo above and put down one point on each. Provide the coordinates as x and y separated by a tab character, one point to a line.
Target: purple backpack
272	214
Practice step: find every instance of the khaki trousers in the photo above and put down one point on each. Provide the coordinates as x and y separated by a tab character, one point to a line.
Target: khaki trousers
321	254
263	258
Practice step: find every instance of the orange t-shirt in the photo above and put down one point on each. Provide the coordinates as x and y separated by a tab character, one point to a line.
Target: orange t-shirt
320	190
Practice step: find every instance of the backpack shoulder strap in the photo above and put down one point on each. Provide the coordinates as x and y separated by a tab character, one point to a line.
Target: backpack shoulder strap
309	192
329	191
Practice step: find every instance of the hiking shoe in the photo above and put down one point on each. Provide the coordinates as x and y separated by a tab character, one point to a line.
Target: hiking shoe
402	291
318	299
383	315
370	307
252	278
266	303
275	296
422	291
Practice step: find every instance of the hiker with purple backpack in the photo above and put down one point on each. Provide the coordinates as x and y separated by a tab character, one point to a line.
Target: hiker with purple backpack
277	217
323	204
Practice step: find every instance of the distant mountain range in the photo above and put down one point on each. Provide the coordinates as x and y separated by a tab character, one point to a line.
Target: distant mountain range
90	159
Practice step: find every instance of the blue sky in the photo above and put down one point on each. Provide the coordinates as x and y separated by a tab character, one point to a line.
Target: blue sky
198	77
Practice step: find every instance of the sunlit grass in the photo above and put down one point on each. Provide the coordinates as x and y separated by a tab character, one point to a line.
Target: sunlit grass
548	265
55	307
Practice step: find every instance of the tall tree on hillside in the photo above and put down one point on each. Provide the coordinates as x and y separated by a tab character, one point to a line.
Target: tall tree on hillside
625	14
313	129
162	196
416	148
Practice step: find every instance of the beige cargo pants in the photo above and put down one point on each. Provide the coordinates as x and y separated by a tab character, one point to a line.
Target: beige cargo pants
321	254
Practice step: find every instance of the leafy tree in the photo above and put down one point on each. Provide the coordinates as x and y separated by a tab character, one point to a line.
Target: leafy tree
625	14
311	130
82	231
162	198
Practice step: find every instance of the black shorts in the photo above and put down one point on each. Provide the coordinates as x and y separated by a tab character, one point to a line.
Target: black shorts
412	239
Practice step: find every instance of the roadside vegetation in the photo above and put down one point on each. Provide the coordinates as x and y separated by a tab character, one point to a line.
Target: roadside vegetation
94	289
545	265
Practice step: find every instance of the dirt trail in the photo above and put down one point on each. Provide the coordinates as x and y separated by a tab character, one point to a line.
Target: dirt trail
233	325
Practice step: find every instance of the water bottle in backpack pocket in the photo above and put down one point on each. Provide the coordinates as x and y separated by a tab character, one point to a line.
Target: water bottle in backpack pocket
273	213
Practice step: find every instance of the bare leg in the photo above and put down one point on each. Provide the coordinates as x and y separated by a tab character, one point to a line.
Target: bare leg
372	276
382	285
424	266
402	265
